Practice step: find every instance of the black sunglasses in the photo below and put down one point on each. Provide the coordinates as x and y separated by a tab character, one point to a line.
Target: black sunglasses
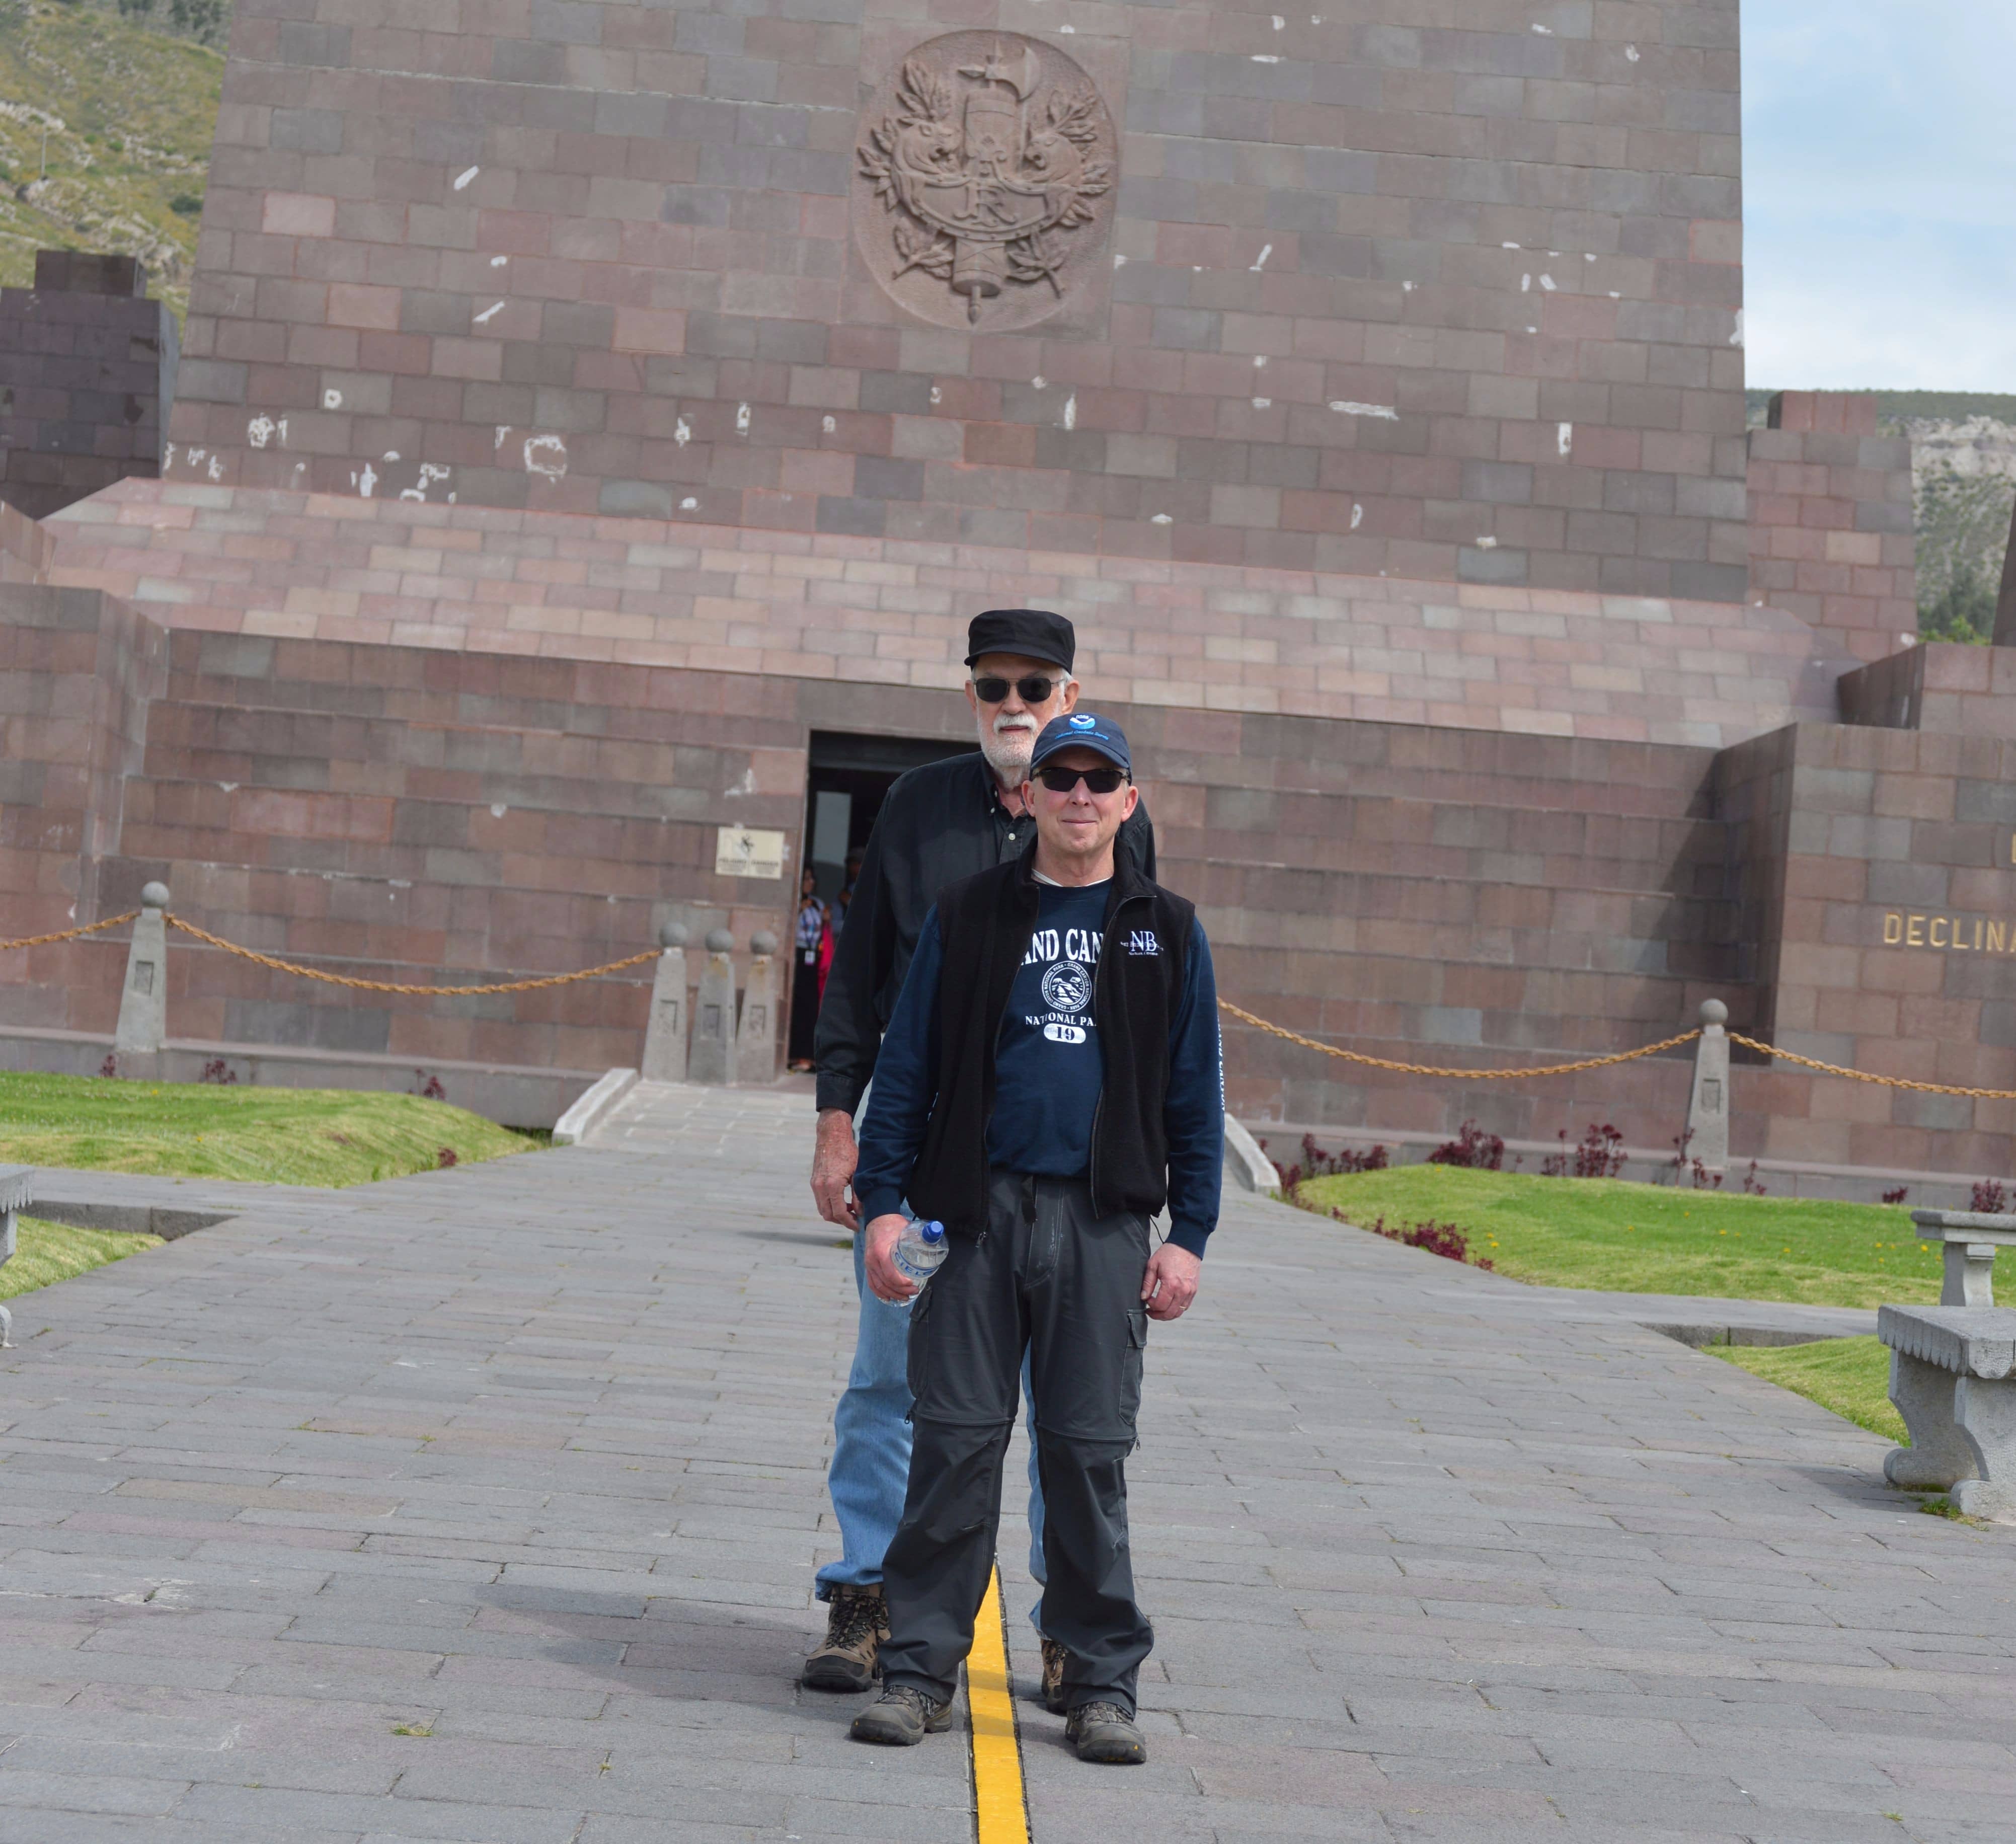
1034	690
1096	780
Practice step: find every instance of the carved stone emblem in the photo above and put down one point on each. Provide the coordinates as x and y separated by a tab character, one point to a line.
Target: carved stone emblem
987	167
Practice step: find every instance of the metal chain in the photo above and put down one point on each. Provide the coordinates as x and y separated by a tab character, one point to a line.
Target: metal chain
1330	1050
1862	1075
337	979
70	934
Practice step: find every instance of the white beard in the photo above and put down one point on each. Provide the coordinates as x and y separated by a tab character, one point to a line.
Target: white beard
1008	742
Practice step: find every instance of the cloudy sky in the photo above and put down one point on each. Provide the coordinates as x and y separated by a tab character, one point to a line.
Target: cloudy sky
1879	193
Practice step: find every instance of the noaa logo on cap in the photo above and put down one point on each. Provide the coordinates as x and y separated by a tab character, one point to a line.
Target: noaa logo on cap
1084	723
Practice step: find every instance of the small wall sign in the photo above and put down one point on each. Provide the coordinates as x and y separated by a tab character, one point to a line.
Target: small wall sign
748	852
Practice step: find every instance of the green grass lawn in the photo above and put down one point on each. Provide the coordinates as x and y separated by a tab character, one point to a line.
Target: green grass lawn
46	1252
1850	1376
1622	1237
312	1136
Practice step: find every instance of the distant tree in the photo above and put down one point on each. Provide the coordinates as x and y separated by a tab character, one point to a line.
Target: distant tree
1963	530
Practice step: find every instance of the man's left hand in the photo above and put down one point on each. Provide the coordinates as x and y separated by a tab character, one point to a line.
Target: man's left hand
1171	1283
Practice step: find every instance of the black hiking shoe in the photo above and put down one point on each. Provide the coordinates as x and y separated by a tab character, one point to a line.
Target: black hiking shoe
1105	1733
857	1622
901	1718
1054	1677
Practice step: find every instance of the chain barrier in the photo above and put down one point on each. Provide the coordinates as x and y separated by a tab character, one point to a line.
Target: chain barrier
69	934
337	979
1862	1075
1330	1050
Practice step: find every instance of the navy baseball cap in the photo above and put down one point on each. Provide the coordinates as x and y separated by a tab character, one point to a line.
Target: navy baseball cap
1085	729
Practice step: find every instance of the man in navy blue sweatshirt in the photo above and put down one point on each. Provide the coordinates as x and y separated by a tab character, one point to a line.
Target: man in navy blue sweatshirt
1050	1079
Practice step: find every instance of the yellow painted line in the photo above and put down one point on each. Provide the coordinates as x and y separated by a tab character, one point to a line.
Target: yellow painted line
997	1752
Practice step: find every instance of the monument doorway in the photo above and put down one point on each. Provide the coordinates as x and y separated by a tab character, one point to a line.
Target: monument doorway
849	777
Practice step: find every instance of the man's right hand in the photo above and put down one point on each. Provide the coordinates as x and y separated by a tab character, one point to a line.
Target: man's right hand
885	1279
834	1157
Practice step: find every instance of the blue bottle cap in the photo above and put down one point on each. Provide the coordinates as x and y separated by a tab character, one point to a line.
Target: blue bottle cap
932	1232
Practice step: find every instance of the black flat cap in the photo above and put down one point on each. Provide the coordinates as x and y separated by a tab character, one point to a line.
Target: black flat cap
1032	633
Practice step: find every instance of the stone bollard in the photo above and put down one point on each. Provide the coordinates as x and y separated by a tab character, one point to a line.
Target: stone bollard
1707	1103
17	1192
143	1005
665	1030
756	1042
712	1058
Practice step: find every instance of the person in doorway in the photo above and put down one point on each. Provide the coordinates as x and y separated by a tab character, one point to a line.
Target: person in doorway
808	938
939	822
1051	1078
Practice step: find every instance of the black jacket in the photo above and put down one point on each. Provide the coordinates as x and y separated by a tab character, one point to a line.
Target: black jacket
939	823
986	922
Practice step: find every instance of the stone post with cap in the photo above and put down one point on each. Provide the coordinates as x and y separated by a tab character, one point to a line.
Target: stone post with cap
756	1042
665	1029
1708	1104
711	1058
142	1029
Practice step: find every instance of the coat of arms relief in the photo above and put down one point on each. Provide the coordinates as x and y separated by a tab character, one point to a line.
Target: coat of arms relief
989	171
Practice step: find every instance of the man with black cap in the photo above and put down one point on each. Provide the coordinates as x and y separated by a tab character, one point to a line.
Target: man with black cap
938	824
1050	1079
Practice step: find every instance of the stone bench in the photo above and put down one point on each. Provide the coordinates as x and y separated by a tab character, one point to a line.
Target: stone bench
1950	1376
1971	1238
17	1192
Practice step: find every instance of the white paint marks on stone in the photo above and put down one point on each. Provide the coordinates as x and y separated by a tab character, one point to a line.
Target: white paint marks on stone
1067	28
195	457
498	809
1120	259
1384	412
1735	333
1509	246
742	419
1532	330
1564	437
391	454
1486	542
688	504
1544	31
1589	256
1631	52
332	398
1262	403
462	179
1161	518
488	314
1357	515
1616	294
1547	282
503	429
216	467
1407	287
1037	382
1266	250
828	424
259	431
1071	410
682	432
1279	22
497	262
430	474
367	481
937	394
546	455
1266	57
1525	284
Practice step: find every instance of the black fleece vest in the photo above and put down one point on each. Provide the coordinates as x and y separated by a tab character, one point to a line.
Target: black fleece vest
985	923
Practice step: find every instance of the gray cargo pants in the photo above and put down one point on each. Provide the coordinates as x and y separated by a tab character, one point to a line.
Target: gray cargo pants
1049	1277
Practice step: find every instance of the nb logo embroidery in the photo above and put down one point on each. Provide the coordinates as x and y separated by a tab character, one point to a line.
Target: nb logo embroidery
1142	941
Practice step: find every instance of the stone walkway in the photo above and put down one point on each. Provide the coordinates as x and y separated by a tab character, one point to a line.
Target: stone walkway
525	1460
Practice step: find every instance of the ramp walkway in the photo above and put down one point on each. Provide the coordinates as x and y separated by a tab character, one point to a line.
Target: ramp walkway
483	1507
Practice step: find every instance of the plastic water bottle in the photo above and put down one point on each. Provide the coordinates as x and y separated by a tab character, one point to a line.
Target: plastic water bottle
920	1251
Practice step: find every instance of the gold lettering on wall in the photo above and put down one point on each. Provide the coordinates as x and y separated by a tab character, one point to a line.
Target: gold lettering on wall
1914	935
1893	929
1901	929
1995	938
1932	935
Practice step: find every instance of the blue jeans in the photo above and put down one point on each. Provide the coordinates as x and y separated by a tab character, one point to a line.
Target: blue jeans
871	1447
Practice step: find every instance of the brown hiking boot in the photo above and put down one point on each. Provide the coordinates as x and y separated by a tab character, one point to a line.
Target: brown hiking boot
904	1717
1054	1677
1105	1733
857	1622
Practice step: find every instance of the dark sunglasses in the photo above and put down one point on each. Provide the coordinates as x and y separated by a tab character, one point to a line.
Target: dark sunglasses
1096	780
1034	690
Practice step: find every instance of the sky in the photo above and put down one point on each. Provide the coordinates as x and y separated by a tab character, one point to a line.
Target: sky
1879	181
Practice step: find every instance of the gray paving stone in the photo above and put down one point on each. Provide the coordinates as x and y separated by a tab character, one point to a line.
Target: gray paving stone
534	1459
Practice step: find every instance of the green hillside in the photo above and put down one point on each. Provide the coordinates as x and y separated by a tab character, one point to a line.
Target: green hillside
127	114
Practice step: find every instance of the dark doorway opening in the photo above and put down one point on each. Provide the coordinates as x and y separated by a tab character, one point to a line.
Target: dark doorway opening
850	777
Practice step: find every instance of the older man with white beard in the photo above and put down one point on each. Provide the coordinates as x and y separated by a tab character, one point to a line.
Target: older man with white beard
945	821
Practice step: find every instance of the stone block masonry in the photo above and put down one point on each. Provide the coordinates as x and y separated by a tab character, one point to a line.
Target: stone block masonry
1382	291
87	374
